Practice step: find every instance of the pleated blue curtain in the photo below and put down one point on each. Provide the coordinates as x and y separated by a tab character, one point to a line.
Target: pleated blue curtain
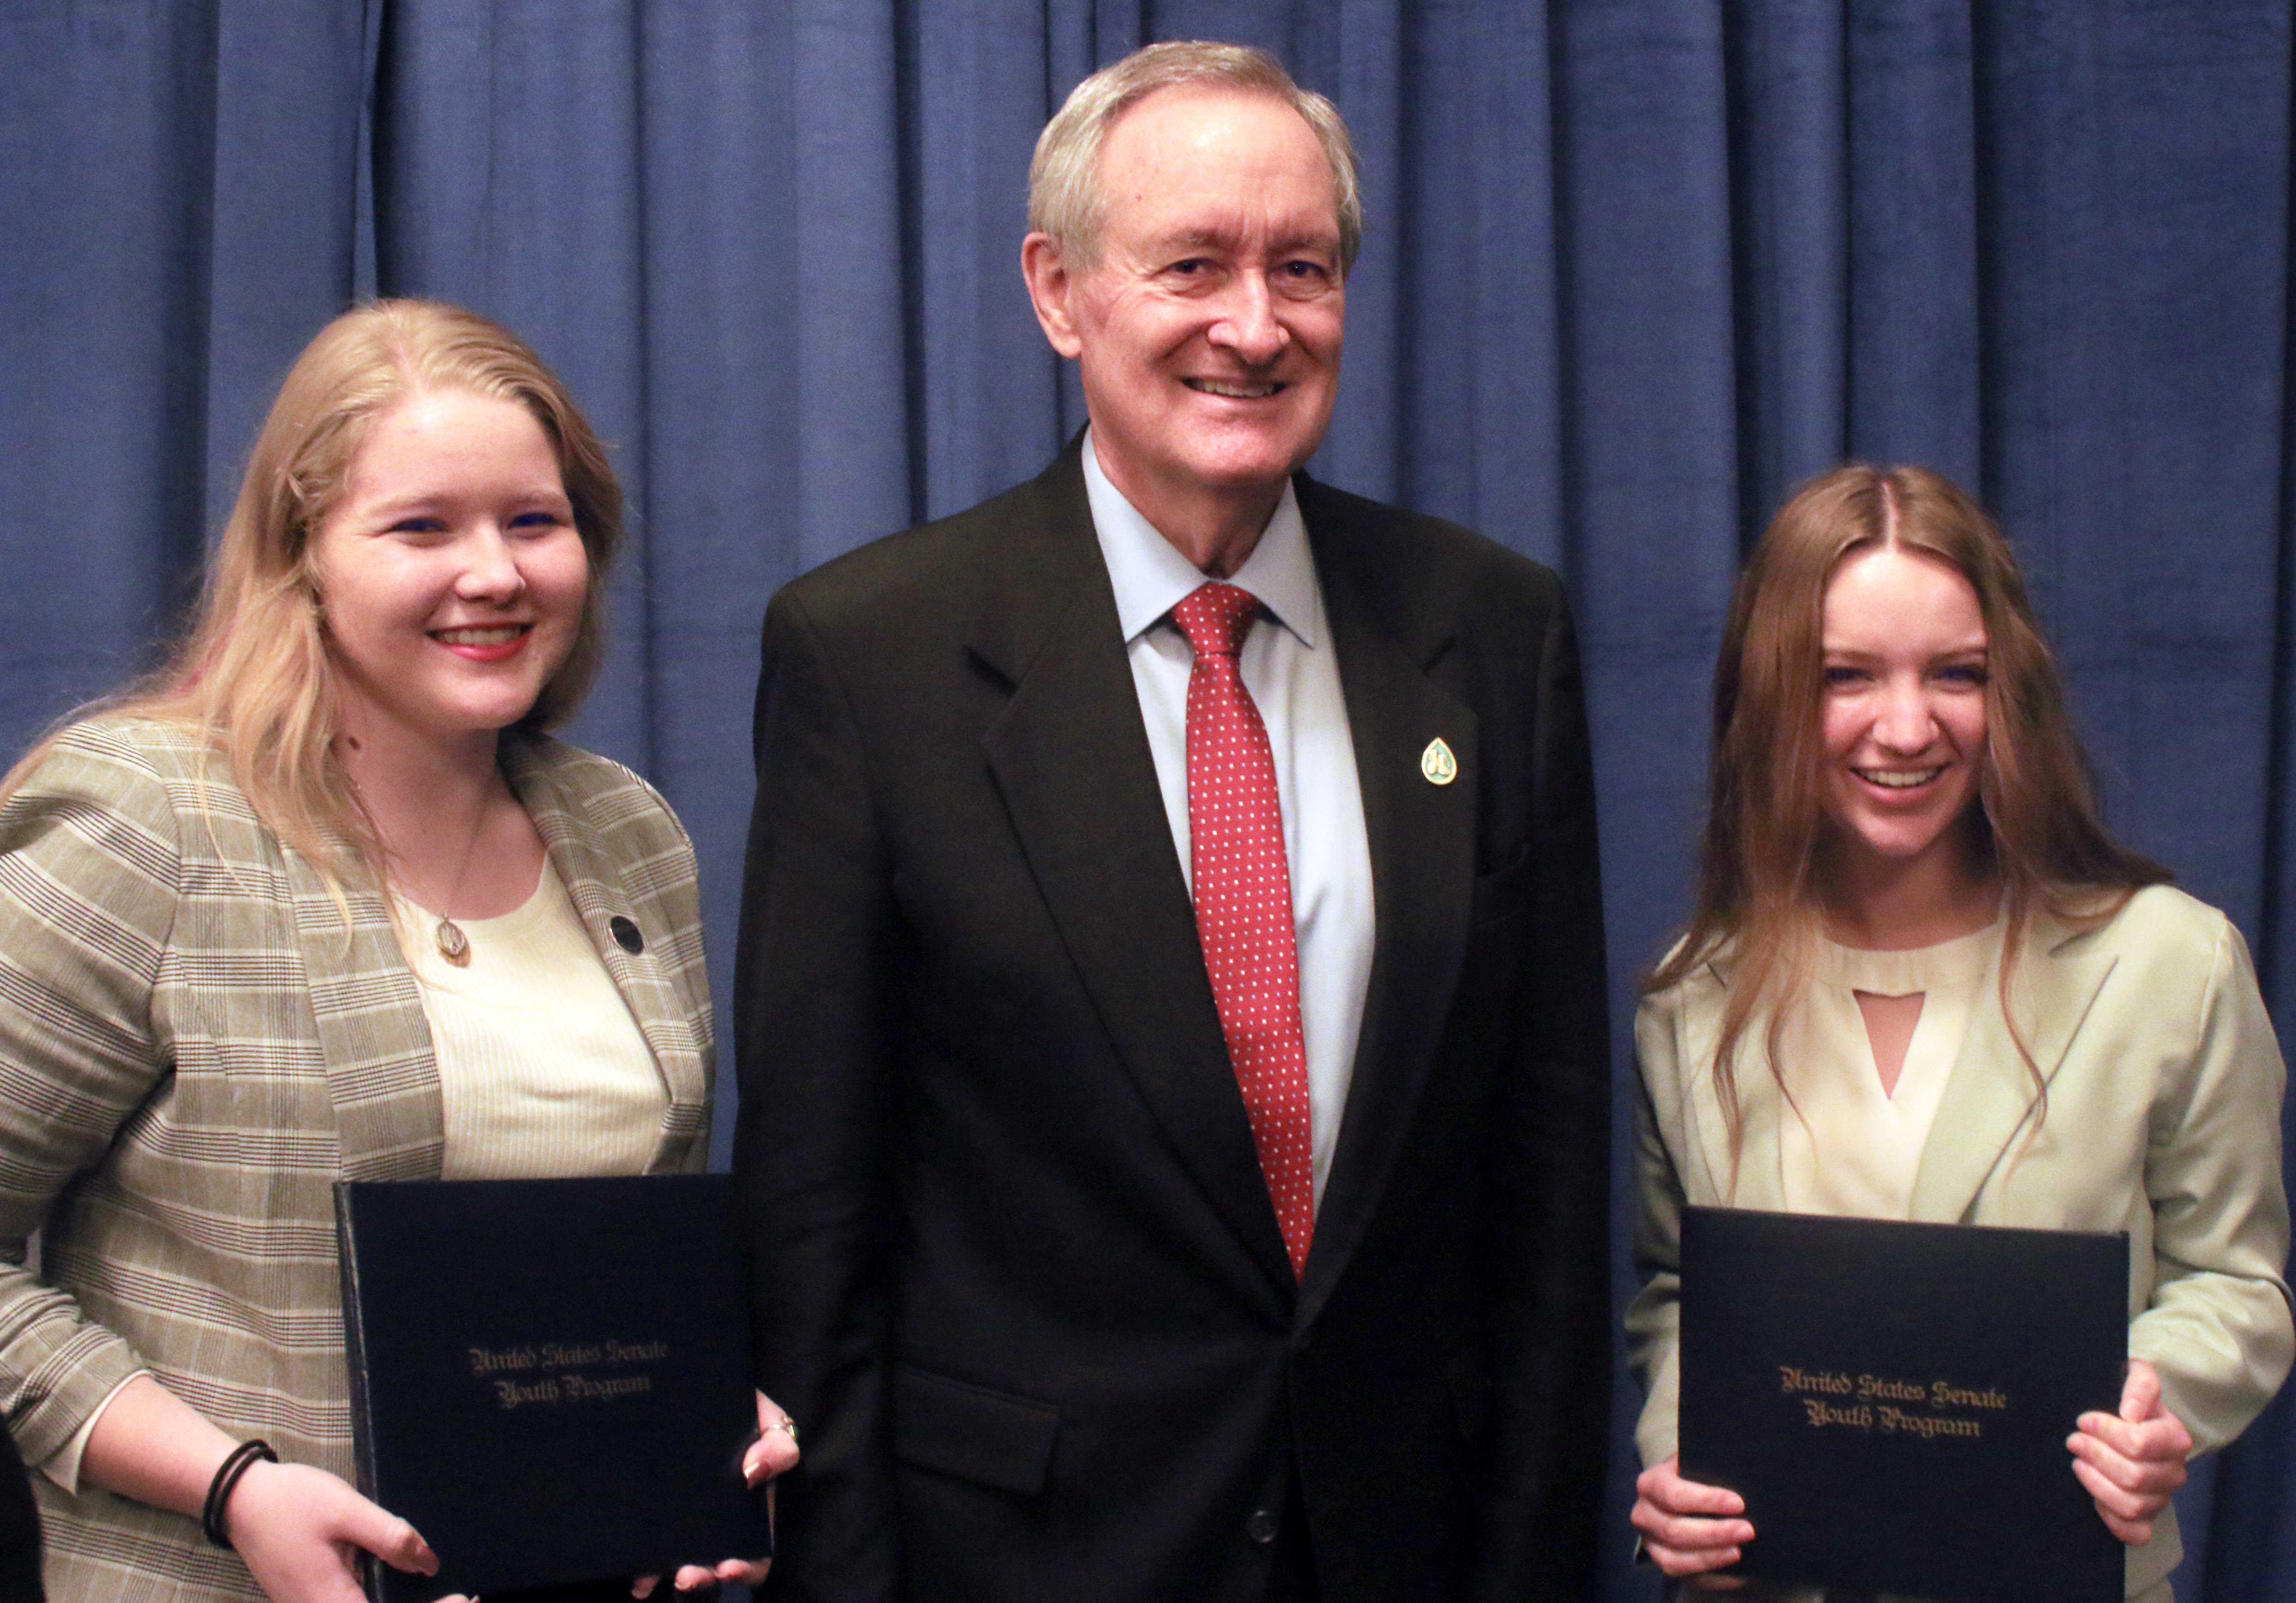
178	203
1635	267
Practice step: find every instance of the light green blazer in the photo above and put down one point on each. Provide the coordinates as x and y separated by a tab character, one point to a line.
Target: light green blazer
2164	1120
193	1048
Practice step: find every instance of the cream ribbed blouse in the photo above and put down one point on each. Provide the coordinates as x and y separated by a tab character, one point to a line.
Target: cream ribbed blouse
1855	1150
542	1069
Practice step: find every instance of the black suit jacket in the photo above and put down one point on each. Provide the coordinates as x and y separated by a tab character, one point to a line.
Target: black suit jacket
1014	1267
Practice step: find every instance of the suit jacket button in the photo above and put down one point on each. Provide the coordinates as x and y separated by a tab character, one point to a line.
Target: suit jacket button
625	934
1262	1526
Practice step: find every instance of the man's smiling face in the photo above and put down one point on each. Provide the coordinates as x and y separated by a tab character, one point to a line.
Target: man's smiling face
1208	330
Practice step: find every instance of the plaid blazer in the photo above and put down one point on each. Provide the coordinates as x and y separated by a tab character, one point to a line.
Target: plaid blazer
193	1048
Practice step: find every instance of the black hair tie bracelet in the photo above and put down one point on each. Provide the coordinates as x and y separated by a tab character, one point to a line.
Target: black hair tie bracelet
227	1475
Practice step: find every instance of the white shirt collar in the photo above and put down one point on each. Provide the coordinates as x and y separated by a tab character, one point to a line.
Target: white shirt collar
1151	577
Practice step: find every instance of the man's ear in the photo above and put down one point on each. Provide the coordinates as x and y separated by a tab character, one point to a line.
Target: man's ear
1050	284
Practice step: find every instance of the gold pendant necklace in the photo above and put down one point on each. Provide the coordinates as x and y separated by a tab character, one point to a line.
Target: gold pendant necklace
446	936
453	944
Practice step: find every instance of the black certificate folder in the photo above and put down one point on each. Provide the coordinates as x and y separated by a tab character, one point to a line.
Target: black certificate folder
1892	1400
549	1379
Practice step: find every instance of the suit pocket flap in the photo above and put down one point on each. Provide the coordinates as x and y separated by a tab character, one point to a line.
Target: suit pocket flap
991	1437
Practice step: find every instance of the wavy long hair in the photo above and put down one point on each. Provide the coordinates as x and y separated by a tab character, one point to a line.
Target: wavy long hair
2035	823
254	677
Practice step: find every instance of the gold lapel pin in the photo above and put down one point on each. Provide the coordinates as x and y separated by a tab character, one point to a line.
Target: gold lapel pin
1437	763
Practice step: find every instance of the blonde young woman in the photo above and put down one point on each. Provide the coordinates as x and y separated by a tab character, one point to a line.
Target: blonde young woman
1922	981
323	901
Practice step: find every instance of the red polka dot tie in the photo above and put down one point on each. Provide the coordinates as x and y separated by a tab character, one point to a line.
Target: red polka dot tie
1244	902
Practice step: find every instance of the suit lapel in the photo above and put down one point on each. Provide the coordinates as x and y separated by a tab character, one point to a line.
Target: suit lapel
382	1075
594	887
1422	844
1990	1095
1071	761
1754	1176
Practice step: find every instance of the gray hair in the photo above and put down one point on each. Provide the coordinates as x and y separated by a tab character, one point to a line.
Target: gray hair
1065	200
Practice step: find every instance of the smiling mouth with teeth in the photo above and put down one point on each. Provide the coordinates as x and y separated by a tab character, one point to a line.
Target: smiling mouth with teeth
501	634
1234	390
1899	779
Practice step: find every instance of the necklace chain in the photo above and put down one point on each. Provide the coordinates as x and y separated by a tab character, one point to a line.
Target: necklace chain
453	944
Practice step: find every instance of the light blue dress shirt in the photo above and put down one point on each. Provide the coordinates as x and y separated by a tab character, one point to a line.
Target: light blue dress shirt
1293	676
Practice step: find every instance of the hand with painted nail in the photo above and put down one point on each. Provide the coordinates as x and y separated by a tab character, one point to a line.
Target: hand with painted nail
1689	1529
772	1453
300	1530
2132	1462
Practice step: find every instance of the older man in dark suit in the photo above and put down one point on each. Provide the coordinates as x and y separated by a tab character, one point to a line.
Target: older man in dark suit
1174	1082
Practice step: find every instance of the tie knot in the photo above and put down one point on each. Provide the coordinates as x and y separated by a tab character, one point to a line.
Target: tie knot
1216	618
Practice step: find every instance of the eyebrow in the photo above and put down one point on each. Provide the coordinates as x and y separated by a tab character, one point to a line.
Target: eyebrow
425	500
1196	239
1977	648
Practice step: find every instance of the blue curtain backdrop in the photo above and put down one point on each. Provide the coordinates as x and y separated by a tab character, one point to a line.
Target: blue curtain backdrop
1634	266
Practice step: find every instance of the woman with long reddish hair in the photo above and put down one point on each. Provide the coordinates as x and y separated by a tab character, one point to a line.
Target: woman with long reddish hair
1916	939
